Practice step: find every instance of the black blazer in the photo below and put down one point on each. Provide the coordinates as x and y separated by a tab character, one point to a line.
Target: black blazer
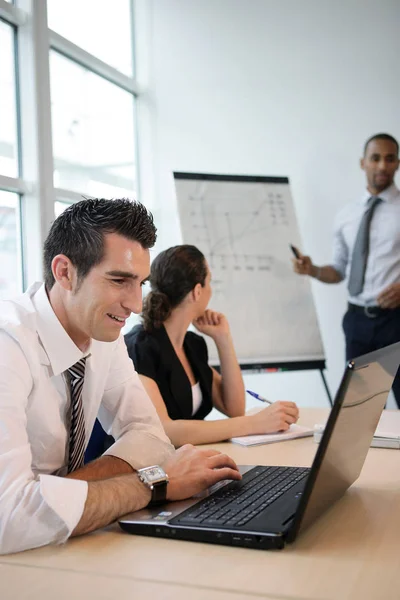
154	356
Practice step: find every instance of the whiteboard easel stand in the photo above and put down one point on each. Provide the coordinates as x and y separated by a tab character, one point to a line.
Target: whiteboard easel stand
313	365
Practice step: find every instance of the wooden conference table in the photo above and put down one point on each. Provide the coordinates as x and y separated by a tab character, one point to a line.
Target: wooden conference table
351	552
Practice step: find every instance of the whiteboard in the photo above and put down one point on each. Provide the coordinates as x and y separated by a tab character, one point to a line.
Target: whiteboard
244	226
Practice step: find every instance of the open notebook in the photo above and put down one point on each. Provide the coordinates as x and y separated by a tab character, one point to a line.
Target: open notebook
294	431
387	434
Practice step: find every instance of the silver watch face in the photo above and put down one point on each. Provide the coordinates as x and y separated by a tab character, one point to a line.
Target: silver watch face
153	474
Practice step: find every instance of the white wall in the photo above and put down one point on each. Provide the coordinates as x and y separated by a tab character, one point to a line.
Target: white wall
271	88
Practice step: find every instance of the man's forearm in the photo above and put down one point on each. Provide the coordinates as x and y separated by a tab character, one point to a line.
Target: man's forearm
102	468
326	274
110	499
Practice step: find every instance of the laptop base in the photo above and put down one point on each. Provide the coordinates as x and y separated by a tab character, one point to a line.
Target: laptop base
211	536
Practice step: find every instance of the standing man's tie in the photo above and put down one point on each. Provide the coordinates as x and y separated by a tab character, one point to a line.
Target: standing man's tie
77	430
361	249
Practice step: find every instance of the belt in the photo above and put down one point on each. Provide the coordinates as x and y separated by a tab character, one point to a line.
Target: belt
369	311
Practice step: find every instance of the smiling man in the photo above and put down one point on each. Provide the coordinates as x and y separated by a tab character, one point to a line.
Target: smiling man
367	251
63	360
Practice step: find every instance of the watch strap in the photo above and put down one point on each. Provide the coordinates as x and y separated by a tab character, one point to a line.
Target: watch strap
158	493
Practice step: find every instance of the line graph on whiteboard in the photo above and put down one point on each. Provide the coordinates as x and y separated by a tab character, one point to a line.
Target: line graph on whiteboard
233	229
244	228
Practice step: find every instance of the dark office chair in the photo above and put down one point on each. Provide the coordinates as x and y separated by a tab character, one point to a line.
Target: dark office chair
99	442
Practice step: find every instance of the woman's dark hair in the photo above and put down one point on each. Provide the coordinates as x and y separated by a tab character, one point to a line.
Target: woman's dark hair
79	232
174	273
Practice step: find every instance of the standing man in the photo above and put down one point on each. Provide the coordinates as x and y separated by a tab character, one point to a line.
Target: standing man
366	250
62	358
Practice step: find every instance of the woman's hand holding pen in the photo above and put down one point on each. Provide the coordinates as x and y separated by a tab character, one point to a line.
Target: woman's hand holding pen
276	417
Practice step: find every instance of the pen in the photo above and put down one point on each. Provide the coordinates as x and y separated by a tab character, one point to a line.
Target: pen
295	251
258	397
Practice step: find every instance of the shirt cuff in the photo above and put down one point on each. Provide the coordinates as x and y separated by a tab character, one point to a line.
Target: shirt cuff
340	268
141	449
66	497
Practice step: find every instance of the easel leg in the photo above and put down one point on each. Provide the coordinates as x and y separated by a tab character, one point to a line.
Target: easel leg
326	387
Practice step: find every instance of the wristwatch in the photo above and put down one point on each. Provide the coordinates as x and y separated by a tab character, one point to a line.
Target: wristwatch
156	480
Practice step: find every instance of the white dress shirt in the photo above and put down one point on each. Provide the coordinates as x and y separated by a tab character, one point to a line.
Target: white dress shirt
37	505
383	265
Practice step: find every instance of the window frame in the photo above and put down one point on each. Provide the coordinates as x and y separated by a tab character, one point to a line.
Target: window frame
35	185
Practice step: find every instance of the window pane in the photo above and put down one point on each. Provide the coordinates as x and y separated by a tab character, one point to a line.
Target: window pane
100	27
93	132
10	272
59	207
8	104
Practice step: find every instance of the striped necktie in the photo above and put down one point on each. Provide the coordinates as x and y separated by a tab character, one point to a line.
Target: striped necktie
77	429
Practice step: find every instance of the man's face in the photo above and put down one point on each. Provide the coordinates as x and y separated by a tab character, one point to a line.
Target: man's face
380	163
98	307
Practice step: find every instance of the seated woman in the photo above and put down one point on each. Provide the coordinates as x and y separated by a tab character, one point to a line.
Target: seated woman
173	362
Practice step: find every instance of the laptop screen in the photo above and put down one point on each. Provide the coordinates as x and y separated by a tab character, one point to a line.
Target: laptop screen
348	433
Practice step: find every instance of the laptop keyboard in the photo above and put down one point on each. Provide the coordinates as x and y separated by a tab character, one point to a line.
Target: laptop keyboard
234	505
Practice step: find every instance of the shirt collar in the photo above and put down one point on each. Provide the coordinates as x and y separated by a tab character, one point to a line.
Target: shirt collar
389	195
60	350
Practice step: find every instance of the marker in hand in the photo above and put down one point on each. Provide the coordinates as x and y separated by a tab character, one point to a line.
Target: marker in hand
295	251
258	397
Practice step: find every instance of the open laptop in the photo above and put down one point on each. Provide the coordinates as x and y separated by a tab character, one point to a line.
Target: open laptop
272	505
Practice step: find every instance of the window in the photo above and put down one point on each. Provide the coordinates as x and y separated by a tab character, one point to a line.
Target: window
10	246
99	29
8	104
93	132
67	120
59	207
10	260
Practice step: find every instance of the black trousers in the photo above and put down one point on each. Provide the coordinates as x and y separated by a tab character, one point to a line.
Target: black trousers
364	334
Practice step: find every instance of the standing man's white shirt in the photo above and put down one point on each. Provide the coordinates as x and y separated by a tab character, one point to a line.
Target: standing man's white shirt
383	266
37	507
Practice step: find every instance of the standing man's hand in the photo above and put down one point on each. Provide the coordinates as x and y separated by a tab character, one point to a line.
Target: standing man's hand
191	470
390	297
303	265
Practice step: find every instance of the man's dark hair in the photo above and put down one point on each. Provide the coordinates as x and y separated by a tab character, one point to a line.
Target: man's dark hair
79	232
382	136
